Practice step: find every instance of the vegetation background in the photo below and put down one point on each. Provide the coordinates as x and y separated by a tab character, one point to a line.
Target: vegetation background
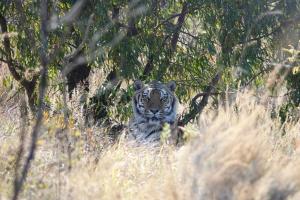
66	72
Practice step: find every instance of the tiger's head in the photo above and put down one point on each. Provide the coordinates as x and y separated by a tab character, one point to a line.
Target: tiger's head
155	102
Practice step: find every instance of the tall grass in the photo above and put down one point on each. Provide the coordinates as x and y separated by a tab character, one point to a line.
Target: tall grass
239	151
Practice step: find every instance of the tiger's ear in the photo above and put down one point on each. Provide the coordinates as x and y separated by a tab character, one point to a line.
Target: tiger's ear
138	84
171	85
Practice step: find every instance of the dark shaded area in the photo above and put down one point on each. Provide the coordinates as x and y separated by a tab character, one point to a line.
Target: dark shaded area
79	75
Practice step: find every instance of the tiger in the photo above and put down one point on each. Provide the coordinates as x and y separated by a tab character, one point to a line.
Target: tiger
154	105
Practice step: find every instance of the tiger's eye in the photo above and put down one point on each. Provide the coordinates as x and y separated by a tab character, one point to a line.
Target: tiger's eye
164	99
145	98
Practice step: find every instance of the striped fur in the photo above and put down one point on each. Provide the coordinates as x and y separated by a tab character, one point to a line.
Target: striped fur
153	105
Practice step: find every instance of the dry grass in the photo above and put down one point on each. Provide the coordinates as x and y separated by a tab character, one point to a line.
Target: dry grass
235	153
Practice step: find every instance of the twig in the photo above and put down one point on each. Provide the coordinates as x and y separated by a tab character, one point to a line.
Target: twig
189	34
12	96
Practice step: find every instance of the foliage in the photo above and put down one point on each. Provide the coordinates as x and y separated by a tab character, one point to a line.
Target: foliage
293	77
290	110
189	42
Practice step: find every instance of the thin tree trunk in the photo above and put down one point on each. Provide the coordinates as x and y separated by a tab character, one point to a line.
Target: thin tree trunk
42	90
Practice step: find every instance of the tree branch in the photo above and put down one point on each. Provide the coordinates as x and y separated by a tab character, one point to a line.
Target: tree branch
197	108
148	68
6	44
179	25
167	20
13	66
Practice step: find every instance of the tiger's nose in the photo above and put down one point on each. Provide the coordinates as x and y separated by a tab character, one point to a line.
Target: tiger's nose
154	110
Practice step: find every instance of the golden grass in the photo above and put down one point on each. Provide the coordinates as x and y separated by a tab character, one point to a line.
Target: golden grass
235	153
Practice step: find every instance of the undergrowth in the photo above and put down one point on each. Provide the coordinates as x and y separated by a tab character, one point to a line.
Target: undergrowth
239	151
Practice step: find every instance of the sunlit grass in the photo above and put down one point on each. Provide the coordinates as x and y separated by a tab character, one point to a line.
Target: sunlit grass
235	152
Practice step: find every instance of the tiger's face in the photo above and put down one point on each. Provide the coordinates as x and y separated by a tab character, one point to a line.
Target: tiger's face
155	101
